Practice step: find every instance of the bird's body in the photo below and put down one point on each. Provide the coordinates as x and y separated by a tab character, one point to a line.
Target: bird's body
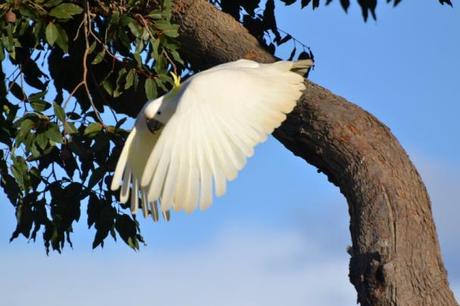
187	144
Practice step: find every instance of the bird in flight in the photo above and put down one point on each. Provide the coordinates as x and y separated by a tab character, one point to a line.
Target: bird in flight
187	144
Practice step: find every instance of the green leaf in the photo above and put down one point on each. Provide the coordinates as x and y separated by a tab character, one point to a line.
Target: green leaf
35	153
65	11
135	28
176	56
127	229
124	39
108	86
99	57
28	141
121	79
40	105
51	3
26	125
9	184
150	89
2	54
54	134
125	20
62	40
27	12
137	57
73	116
96	177
133	243
92	47
120	122
139	46
37	95
70	128
92	129
155	14
19	171
52	33
41	140
130	78
168	29
17	91
155	48
24	129
60	114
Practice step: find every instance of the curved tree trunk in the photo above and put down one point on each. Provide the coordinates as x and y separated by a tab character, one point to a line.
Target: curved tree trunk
395	255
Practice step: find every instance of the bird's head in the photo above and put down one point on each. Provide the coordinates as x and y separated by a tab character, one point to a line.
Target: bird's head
152	115
157	113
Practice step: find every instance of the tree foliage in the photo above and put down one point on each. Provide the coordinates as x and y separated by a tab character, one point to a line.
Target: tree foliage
58	152
71	67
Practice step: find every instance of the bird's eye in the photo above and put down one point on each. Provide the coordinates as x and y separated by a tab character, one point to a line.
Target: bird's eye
158	112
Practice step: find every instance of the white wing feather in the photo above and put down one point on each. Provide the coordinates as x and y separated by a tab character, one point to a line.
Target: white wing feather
129	169
221	115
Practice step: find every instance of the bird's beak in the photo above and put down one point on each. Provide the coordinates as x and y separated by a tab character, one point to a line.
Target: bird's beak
154	125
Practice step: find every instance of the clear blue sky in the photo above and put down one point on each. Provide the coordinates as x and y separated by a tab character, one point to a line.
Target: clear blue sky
279	235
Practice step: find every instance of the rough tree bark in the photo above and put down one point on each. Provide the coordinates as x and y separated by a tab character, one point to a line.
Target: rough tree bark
395	254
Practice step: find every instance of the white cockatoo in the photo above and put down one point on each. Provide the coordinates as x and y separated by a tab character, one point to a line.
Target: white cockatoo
187	144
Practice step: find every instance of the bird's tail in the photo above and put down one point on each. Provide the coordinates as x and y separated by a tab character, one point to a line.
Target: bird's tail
302	67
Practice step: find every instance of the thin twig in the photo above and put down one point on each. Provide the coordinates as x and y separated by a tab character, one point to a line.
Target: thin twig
14	71
72	94
170	61
85	62
78	30
103	45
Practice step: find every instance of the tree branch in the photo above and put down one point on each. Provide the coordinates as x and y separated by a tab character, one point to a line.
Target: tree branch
395	257
395	254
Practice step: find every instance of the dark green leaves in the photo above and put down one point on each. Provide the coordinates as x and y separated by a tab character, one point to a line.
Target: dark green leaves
24	218
53	133
368	6
150	89
62	39
65	11
20	172
52	33
39	105
166	28
130	79
102	215
93	129
127	228
59	112
52	3
99	57
17	91
448	2
304	3
105	219
344	3
7	182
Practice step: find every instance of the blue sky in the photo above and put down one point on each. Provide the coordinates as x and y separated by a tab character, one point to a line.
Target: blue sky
279	235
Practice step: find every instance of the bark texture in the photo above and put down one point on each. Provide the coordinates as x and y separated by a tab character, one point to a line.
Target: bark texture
396	257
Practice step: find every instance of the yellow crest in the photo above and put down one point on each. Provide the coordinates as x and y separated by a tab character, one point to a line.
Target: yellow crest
176	80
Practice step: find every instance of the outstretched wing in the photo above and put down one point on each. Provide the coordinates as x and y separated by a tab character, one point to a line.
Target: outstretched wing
129	169
221	115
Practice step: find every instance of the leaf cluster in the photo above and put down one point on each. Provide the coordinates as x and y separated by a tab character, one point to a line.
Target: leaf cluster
248	7
61	62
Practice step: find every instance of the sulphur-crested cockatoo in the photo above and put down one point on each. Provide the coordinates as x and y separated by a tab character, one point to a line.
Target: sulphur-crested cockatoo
187	144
